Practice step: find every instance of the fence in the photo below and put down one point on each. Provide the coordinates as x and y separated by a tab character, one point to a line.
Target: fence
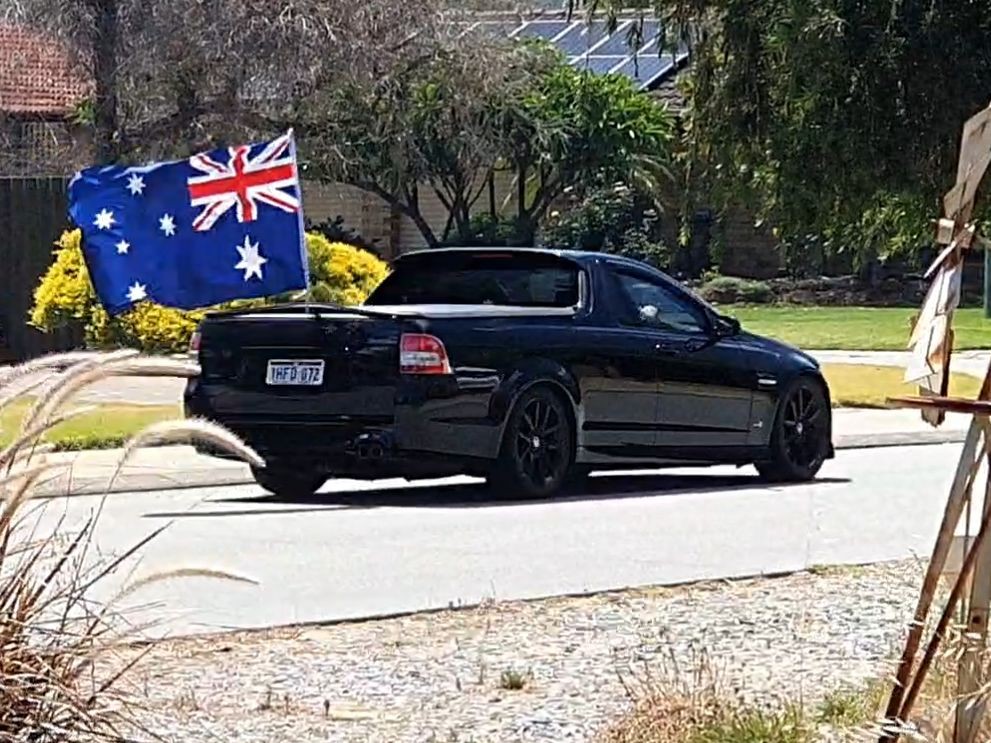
32	215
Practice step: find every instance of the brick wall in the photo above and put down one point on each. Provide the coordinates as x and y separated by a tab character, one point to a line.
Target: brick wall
435	213
365	213
747	250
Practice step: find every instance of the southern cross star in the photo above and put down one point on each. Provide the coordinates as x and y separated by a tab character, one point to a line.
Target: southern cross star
104	219
137	292
167	225
122	247
135	184
251	261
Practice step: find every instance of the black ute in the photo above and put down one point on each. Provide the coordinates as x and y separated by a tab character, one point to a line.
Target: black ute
528	367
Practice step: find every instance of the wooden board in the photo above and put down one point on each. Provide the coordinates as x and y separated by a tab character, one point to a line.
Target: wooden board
938	402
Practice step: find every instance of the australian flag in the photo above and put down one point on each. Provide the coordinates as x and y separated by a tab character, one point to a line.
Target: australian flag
222	225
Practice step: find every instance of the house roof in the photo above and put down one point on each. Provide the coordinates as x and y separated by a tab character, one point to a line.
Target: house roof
36	75
592	45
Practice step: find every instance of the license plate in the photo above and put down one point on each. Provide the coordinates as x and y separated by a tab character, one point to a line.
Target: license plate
296	373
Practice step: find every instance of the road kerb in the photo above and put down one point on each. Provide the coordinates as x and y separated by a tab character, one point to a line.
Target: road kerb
228	474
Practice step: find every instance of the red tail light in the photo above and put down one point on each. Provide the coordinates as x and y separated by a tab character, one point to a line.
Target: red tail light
194	342
422	354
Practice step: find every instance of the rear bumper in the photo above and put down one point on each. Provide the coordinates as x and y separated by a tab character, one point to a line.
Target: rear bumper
425	437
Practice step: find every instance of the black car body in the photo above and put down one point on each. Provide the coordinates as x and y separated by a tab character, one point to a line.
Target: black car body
492	361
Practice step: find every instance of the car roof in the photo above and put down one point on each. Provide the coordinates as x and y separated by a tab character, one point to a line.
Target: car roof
579	256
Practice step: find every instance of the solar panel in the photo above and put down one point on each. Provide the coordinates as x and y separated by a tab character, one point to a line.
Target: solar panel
599	65
645	69
582	38
542	29
619	42
591	47
573	43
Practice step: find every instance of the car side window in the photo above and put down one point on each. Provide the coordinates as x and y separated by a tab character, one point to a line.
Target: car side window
654	305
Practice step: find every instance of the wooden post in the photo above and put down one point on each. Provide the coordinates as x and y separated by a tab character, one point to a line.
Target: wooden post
970	706
931	341
987	283
951	517
907	687
944	620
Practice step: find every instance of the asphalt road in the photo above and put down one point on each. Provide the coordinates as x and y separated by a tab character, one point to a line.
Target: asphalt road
360	549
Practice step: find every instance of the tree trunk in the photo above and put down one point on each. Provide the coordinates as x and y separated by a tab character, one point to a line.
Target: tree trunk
105	79
526	231
521	190
422	225
410	207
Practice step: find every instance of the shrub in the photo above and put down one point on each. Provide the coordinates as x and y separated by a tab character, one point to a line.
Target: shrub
342	273
487	230
338	273
733	290
614	219
337	231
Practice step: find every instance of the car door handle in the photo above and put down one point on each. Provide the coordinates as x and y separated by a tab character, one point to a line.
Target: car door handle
676	348
670	349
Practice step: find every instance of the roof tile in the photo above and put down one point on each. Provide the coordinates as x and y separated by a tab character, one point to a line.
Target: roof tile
36	75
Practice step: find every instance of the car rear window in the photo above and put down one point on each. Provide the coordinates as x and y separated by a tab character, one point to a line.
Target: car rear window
496	278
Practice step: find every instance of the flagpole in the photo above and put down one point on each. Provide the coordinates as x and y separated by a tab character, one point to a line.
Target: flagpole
303	253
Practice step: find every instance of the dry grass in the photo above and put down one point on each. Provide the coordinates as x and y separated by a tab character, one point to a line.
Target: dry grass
674	704
865	386
53	638
934	713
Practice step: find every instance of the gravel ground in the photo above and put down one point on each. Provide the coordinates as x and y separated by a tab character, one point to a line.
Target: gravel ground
442	677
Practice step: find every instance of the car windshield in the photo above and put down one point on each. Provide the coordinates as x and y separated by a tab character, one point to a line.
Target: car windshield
498	278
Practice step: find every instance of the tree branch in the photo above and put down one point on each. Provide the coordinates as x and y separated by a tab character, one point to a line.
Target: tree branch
410	208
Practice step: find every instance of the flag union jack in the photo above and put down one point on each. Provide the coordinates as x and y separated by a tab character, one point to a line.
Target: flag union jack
244	183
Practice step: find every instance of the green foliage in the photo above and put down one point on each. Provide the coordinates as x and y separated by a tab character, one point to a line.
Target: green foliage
734	290
513	679
337	232
578	129
437	126
851	707
834	118
450	121
338	272
341	273
486	230
612	219
755	726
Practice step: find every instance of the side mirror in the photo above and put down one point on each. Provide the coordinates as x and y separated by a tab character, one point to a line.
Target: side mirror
726	327
647	314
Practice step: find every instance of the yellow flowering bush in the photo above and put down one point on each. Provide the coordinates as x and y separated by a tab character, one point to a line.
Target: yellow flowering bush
342	273
338	273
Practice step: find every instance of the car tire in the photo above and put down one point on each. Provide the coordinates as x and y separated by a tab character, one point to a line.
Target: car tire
288	483
538	447
800	438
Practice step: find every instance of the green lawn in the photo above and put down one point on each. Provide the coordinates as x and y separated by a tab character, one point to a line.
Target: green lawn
853	328
106	427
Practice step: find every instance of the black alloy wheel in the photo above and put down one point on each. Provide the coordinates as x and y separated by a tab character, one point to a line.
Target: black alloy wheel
800	439
286	482
538	447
